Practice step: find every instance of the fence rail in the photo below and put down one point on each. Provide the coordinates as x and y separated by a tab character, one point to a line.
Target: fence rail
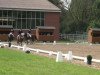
74	37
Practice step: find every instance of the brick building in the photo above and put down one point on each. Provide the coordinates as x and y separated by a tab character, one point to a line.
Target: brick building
27	14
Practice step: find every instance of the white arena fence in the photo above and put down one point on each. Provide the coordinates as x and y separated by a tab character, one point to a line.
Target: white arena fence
59	55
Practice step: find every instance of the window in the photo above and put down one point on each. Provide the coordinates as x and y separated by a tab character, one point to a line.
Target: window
33	24
4	22
42	15
19	24
24	23
4	13
37	22
9	22
19	14
37	14
9	14
15	14
14	24
0	22
42	22
23	14
22	19
33	14
29	14
28	23
0	13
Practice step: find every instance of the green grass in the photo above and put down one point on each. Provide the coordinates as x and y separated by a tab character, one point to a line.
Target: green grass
14	62
65	41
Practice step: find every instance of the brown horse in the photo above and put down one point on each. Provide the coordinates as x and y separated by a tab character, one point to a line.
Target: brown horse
20	39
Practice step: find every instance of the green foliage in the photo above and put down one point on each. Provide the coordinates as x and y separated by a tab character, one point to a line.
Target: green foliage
13	62
81	11
95	24
96	9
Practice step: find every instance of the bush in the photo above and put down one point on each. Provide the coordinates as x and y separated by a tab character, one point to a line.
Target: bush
89	59
27	51
2	46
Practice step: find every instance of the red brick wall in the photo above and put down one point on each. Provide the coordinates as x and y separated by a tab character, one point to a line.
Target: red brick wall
53	19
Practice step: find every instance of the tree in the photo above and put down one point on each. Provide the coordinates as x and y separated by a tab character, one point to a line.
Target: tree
95	21
80	15
81	11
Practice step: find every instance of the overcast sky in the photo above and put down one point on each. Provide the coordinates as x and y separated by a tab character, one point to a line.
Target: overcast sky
66	3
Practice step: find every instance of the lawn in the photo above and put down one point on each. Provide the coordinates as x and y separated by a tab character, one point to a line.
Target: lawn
13	62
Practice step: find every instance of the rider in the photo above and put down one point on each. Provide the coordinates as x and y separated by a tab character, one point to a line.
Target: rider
10	36
29	33
20	31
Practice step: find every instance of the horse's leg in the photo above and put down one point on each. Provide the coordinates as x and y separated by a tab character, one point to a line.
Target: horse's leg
17	42
31	41
21	43
27	41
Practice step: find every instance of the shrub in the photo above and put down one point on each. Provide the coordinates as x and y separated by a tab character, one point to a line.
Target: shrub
2	46
89	59
27	51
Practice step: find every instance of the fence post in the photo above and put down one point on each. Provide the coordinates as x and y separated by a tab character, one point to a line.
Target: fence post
85	60
67	43
24	47
44	43
54	43
37	51
59	57
69	56
90	44
18	47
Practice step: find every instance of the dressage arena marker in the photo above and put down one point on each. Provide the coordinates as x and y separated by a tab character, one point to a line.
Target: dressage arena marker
69	56
85	60
59	57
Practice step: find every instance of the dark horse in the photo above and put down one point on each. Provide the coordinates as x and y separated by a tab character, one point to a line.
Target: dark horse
20	39
10	37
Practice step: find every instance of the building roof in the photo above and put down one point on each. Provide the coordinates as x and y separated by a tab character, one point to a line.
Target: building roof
43	5
6	26
45	27
95	29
